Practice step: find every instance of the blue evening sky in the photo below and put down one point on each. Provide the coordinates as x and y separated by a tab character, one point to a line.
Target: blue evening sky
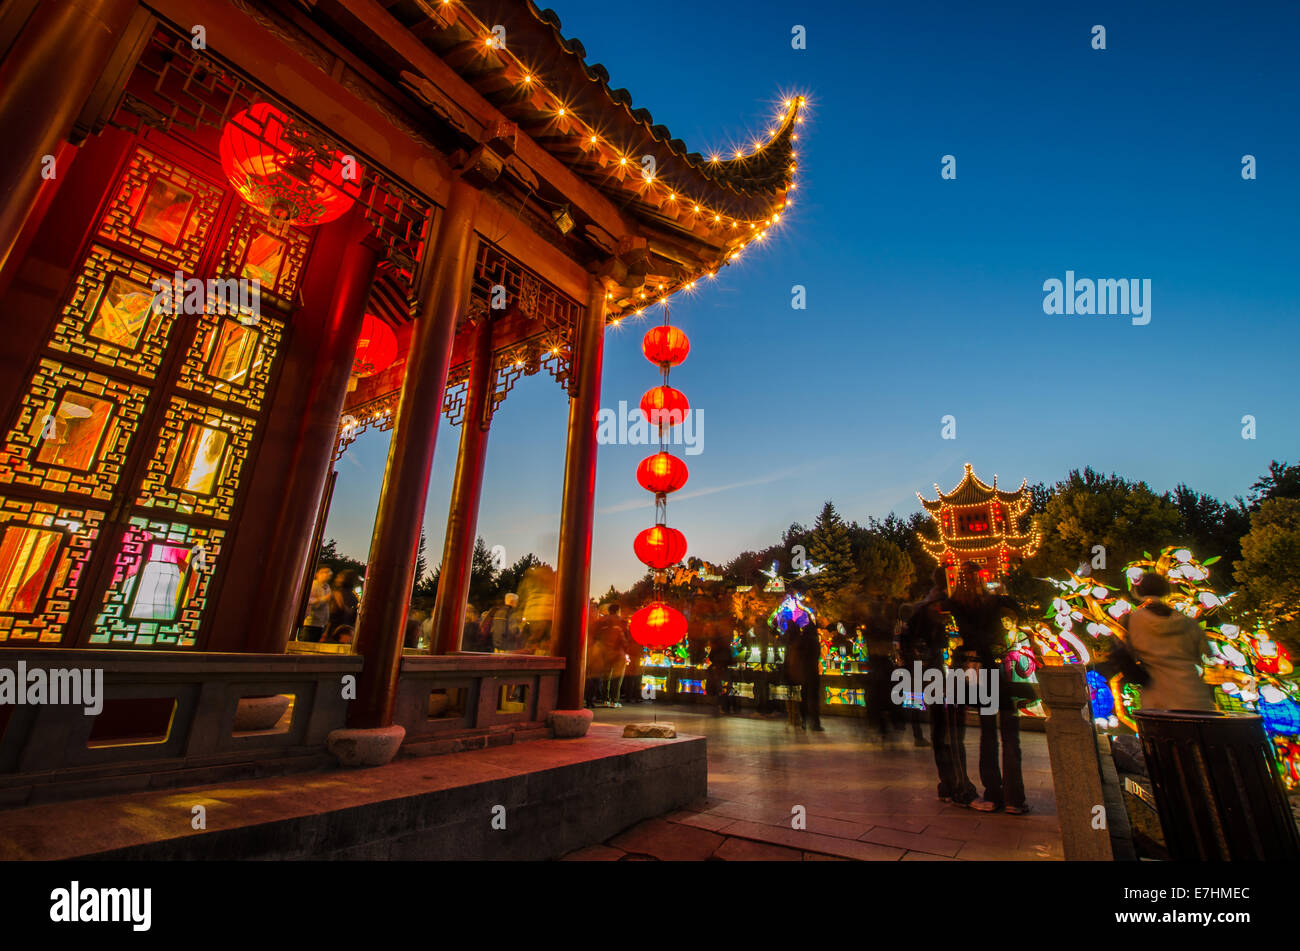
924	296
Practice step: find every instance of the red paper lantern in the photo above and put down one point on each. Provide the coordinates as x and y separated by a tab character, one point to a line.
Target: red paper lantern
665	346
376	347
662	472
657	625
660	546
664	406
280	169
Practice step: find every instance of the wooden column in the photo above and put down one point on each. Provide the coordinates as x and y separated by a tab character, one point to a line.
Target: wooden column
394	546
275	535
44	82
573	574
467	490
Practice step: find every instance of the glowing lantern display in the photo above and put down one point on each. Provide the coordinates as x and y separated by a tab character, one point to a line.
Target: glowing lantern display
285	171
660	546
665	346
657	625
662	472
664	406
376	348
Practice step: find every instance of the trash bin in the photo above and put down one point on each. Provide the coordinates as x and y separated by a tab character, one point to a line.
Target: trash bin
1217	789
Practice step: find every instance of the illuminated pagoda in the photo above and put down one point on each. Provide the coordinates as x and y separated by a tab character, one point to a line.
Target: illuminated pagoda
979	524
370	215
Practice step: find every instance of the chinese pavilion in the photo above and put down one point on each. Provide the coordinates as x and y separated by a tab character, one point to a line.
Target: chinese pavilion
982	525
235	234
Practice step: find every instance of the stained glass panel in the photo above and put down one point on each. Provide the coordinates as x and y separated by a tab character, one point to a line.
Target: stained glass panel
110	317
199	463
73	431
70	436
232	361
265	255
26	558
196	466
44	548
161	211
165	209
254	253
160	585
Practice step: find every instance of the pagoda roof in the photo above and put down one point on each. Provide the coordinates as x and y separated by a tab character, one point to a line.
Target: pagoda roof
552	135
972	490
1026	542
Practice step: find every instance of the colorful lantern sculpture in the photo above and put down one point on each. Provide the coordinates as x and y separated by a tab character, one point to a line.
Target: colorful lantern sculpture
657	625
662	472
285	171
376	348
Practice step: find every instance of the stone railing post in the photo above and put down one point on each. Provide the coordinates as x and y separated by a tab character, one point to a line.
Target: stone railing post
1076	771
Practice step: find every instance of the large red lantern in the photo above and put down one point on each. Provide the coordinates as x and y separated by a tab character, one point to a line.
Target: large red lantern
665	346
286	171
657	625
660	546
661	473
376	348
664	406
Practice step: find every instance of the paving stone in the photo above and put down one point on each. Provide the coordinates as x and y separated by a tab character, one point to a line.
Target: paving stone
916	842
746	850
668	841
595	853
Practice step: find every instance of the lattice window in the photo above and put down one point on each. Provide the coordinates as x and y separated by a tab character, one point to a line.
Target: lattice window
160	585
111	318
525	291
378	413
547	351
73	431
196	463
231	360
254	252
454	400
44	548
161	211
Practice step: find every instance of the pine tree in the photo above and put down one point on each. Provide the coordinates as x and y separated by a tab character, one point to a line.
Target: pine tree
831	547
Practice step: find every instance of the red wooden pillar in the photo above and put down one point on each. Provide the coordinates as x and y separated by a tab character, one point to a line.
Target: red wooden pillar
573	574
44	82
274	540
467	491
393	548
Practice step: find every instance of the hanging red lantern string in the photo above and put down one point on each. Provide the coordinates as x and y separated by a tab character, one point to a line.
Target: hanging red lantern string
658	625
665	346
286	171
662	473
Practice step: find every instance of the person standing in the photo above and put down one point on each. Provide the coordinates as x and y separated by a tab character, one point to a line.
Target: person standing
343	607
318	606
505	626
979	616
1168	644
810	649
925	638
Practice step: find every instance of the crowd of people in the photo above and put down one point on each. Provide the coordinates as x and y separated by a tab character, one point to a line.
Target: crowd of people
1160	655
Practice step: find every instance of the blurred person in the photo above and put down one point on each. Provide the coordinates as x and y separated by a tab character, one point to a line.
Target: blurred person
414	618
906	656
925	639
880	669
343	605
979	612
471	635
612	635
318	606
1168	645
505	625
537	604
